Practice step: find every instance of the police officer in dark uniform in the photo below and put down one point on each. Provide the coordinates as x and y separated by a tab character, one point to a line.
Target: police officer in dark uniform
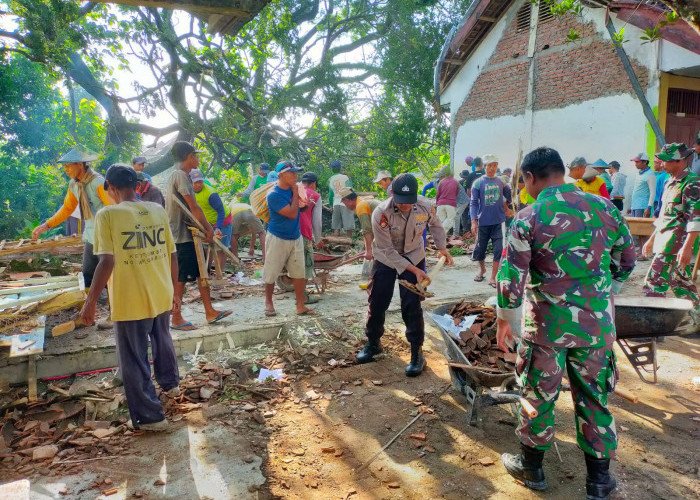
398	224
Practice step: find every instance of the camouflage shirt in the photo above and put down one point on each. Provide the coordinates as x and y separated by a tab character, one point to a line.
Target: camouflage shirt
573	245
680	212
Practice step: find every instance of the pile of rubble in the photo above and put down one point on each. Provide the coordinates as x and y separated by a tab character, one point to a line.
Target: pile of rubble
66	428
478	342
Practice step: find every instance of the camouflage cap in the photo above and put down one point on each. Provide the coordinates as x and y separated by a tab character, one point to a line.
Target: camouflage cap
77	155
674	152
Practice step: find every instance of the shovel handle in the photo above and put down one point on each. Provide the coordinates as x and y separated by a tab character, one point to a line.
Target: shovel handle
528	408
433	272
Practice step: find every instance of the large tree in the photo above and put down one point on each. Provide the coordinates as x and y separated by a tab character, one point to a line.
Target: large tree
297	73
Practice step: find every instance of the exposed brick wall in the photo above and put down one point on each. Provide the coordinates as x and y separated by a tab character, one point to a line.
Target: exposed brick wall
565	73
581	73
496	93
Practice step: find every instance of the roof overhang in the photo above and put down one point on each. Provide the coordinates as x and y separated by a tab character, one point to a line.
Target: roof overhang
222	16
482	15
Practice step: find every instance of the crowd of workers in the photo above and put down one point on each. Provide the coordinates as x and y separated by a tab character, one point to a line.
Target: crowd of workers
570	241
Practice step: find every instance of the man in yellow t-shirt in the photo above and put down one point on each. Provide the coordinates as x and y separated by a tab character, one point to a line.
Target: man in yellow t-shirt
137	261
363	208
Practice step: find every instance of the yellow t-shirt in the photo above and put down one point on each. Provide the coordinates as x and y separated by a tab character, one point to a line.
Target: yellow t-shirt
137	234
236	208
363	210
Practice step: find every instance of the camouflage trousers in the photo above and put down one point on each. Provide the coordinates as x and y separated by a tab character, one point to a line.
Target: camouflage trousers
592	374
664	273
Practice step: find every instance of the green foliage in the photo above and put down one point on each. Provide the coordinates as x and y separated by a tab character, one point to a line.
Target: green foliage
37	127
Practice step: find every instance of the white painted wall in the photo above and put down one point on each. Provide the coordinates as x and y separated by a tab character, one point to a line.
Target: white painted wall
611	128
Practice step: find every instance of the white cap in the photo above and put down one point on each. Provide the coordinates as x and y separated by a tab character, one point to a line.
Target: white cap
641	157
489	159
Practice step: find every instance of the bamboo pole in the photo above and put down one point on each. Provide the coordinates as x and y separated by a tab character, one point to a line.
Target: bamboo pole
37	288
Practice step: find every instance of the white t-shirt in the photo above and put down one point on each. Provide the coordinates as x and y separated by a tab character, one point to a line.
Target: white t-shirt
336	183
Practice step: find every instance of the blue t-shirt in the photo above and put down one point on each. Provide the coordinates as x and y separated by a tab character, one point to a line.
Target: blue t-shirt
488	195
281	226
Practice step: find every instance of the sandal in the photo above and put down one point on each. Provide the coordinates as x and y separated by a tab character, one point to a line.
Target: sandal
493	284
221	316
185	327
270	312
479	278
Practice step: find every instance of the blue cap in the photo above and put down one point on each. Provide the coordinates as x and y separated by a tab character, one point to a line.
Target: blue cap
286	166
599	163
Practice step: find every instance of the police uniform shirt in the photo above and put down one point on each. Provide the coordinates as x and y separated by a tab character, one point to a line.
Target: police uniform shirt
399	236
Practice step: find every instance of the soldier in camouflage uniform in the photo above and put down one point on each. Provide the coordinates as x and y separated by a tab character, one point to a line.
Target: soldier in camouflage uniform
675	238
577	249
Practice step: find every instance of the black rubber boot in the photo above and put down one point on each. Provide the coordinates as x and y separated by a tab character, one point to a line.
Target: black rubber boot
526	467
415	367
368	352
599	482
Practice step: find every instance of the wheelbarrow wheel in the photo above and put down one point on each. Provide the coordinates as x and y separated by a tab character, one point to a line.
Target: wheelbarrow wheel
285	283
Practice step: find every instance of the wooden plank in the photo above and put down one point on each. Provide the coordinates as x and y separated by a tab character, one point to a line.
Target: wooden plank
199	250
31	281
28	344
31	379
37	298
38	288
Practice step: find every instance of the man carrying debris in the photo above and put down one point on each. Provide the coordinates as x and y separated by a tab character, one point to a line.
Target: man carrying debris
137	258
309	233
488	206
363	208
398	224
256	181
578	250
245	222
85	190
180	188
674	240
215	210
284	245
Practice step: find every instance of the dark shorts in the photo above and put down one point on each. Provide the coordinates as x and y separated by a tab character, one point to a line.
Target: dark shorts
619	203
187	267
492	233
90	261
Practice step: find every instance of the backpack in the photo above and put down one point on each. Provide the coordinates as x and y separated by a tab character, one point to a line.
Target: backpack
258	201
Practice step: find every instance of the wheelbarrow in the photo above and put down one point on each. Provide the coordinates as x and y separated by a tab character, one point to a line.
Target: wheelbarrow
639	321
324	263
480	387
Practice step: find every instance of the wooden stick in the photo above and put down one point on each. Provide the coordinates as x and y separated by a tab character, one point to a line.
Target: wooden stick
625	394
476	368
203	268
366	464
199	226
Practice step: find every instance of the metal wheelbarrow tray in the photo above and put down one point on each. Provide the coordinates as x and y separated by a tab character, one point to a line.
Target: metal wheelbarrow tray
476	385
639	321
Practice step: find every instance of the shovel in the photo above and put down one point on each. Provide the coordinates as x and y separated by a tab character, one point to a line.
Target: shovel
421	288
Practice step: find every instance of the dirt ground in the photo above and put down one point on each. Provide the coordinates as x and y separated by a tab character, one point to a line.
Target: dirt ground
312	441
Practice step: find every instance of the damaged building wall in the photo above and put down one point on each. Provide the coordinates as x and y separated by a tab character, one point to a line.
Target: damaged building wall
575	96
